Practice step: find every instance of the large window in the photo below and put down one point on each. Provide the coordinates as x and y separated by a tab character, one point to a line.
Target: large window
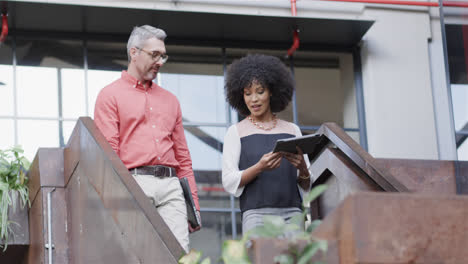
457	59
46	85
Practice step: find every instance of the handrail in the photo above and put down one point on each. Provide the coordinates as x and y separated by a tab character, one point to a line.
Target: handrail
361	158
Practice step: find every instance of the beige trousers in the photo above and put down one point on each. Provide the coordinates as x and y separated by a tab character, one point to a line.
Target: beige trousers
168	197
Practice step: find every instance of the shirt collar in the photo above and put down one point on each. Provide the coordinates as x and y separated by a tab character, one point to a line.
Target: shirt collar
134	82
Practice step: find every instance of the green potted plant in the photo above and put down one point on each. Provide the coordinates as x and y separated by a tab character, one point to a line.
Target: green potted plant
13	184
235	251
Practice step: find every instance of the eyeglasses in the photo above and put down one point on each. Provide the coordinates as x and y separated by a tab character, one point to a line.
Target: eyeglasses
155	55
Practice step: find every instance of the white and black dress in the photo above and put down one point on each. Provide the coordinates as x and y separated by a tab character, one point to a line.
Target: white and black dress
273	192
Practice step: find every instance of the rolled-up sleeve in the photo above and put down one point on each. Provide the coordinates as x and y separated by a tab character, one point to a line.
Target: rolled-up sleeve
231	175
106	118
182	155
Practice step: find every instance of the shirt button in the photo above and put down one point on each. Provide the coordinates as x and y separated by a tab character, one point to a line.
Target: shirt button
151	108
134	86
157	140
154	126
159	158
146	92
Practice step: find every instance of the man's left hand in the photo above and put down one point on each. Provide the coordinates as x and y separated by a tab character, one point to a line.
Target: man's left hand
191	230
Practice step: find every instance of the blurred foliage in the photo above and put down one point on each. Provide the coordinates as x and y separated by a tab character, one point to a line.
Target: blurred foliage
235	251
13	182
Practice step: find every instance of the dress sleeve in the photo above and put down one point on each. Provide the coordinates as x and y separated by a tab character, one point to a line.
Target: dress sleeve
298	133
231	175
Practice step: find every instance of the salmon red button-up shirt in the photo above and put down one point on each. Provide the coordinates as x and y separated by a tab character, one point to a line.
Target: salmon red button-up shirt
144	126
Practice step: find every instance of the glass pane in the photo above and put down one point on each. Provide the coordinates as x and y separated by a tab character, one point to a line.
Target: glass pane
320	97
6	79
41	64
462	150
7	133
6	90
456	47
50	53
108	56
97	80
460	106
68	127
205	145
6	54
73	93
35	134
217	227
208	59
201	96
37	98
354	135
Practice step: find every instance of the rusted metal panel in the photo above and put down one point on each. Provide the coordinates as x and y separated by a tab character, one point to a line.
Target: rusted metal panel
35	253
360	157
462	176
71	153
46	170
51	166
59	224
145	231
94	235
422	176
34	179
342	177
398	228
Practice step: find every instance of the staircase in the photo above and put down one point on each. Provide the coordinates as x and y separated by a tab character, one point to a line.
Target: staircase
374	210
98	213
382	210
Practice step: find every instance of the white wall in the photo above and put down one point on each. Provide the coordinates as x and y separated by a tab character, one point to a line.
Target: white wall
397	85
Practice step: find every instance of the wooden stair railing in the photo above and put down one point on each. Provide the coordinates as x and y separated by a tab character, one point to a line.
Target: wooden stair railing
416	187
347	168
99	213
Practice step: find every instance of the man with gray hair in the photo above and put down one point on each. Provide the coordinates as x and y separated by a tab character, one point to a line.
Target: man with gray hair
143	124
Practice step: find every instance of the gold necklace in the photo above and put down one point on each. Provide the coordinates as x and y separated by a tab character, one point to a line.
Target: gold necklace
262	127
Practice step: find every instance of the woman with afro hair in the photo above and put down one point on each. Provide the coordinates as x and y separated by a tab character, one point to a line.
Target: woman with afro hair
258	87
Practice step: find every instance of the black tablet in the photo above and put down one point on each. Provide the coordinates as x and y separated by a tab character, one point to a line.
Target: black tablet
306	143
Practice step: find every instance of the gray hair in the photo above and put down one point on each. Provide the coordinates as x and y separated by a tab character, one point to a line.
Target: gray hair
141	34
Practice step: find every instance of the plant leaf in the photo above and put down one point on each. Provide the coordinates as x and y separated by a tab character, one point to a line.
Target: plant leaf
234	252
313	225
308	252
206	261
190	258
314	193
284	259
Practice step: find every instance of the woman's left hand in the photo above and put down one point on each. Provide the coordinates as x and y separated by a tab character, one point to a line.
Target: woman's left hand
297	160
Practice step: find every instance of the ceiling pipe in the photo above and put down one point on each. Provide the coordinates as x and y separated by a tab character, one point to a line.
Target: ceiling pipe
293	7
406	3
4	33
295	44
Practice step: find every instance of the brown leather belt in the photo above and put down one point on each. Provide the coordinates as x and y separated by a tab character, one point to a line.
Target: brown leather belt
155	170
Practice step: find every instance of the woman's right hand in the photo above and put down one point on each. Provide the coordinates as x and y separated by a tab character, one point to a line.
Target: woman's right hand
270	161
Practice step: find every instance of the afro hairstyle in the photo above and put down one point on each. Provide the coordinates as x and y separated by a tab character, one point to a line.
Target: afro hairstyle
268	71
